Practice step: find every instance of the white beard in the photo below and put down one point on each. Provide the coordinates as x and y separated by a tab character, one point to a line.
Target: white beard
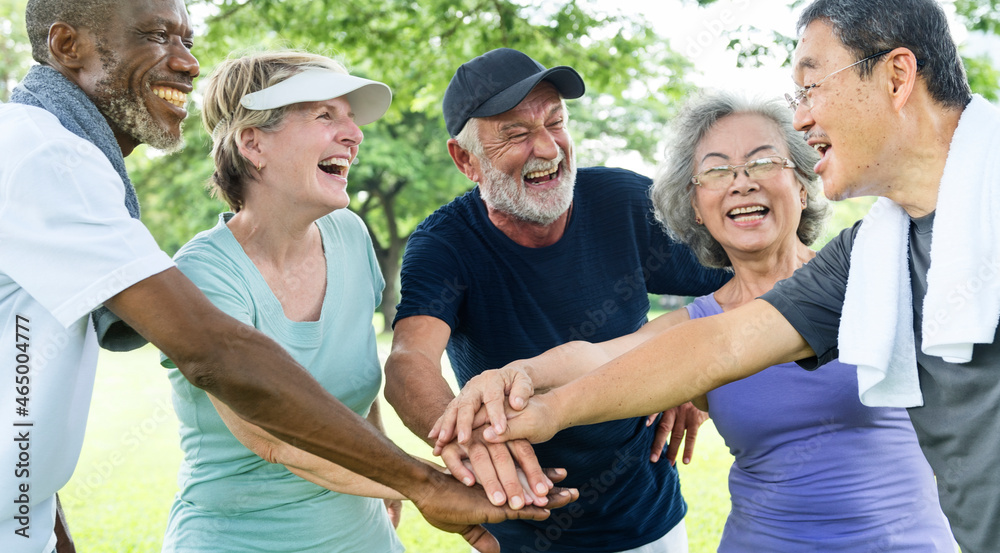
507	194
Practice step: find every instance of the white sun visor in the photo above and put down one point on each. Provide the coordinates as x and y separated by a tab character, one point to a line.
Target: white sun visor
369	99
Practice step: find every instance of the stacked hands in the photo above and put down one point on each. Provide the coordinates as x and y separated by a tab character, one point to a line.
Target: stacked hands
486	432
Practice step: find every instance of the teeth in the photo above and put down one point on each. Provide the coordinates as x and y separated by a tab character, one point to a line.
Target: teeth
542	173
750	209
172	95
820	146
335	161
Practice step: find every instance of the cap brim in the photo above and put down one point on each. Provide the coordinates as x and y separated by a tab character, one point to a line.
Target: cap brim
369	99
566	80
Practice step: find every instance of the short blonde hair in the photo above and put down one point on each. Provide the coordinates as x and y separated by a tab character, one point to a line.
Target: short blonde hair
226	119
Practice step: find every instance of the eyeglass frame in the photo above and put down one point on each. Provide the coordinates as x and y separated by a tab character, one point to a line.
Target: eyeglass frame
803	93
785	164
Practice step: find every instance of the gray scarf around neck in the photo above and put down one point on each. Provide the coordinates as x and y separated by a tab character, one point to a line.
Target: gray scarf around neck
46	88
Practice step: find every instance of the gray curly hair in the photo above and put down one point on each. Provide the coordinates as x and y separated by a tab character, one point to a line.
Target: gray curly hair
672	190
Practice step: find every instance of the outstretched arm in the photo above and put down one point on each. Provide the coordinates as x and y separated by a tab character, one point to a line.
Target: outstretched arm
514	383
260	382
419	393
675	366
310	467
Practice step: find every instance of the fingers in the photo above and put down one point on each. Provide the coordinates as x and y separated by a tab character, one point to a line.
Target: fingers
481	540
560	497
692	435
521	389
464	418
452	455
676	438
394	508
444	429
494	403
535	423
497	473
555	475
696	418
538	482
529	496
659	440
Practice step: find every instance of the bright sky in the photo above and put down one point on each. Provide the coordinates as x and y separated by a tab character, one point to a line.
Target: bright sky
699	34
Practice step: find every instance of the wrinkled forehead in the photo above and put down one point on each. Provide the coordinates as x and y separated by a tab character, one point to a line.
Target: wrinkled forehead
818	51
168	13
740	137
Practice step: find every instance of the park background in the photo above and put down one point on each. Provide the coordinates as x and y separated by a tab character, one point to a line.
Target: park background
641	60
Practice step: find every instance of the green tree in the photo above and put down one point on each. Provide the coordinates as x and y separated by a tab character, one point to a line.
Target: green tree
754	45
404	170
15	51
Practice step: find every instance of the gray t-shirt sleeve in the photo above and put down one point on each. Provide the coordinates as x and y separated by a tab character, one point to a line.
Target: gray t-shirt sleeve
813	297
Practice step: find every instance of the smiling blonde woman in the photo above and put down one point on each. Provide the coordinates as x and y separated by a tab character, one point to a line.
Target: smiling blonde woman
292	262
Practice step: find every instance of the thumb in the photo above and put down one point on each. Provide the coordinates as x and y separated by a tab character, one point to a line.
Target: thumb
481	540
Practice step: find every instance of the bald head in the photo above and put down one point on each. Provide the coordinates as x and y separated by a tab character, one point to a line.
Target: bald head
40	15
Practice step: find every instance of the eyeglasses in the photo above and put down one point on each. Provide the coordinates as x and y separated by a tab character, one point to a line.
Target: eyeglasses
802	95
717	178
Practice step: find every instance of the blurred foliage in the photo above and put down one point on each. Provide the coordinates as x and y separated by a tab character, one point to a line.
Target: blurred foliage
15	50
754	46
633	80
979	15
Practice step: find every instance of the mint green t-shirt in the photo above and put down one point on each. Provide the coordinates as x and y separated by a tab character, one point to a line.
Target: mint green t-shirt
232	500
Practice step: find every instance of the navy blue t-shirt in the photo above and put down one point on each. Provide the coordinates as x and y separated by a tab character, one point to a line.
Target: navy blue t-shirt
505	302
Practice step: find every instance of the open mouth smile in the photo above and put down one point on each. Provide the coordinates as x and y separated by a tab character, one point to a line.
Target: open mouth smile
542	176
336	166
748	214
171	95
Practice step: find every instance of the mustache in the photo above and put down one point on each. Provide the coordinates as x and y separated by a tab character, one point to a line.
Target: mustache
171	79
538	164
817	135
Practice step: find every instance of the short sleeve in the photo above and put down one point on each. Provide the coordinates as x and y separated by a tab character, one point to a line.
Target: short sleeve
432	281
378	281
675	270
66	237
225	290
813	297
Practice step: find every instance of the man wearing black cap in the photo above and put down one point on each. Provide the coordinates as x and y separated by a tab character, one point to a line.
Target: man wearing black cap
113	74
539	254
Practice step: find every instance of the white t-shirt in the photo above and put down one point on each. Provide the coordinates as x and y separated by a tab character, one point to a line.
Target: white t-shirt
67	244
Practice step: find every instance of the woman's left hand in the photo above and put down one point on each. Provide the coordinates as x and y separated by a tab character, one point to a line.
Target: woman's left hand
395	509
677	425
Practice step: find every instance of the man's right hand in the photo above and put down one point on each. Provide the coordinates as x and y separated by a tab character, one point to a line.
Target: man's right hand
452	507
492	393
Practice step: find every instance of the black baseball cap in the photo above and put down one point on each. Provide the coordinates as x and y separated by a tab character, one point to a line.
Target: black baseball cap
497	81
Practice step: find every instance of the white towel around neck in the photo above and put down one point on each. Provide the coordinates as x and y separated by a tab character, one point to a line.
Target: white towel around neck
962	305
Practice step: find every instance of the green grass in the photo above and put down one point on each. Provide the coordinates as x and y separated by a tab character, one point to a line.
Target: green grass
120	494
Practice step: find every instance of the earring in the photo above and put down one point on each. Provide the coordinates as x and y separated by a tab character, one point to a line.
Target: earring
258	166
803	203
697	219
